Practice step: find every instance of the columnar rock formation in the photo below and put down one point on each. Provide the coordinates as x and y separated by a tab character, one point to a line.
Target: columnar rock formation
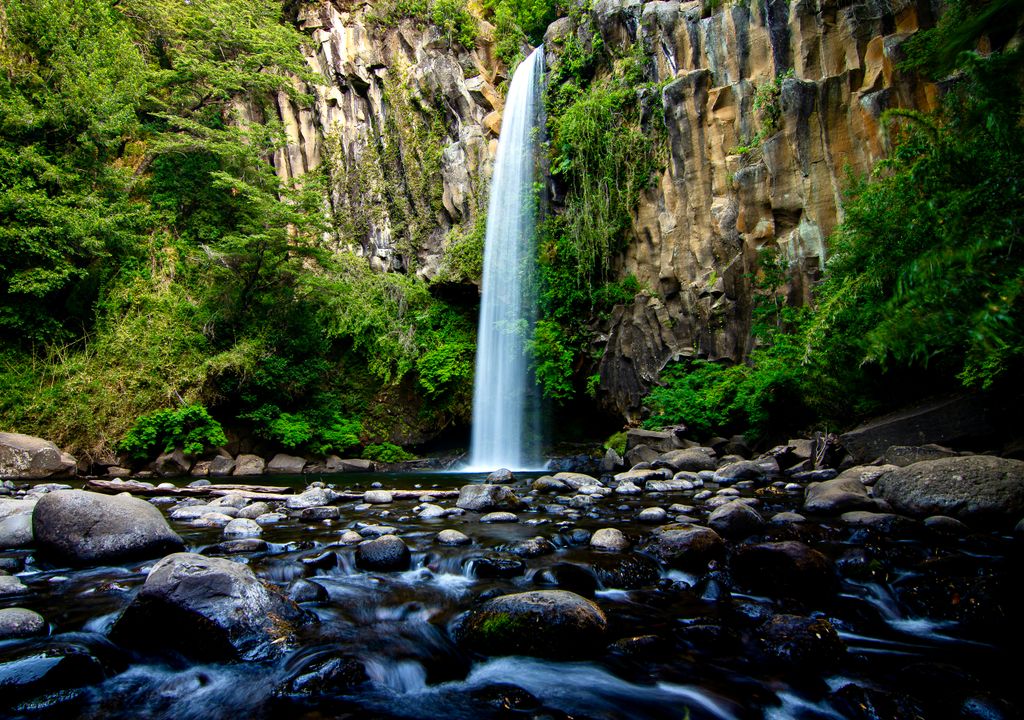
408	123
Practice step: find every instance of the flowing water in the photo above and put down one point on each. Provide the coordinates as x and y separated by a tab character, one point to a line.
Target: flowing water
679	645
505	415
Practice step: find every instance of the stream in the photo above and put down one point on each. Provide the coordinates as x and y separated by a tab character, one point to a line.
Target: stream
924	617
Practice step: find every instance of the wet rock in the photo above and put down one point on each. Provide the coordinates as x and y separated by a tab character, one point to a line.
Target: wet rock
283	464
253	511
237	547
484	498
945	525
11	586
452	537
502	476
863	703
736	520
548	484
576	480
641	477
609	539
837	496
378	497
877	521
784	569
383	554
314	497
21	623
627	488
692	460
28	457
821	475
172	464
85	528
209	608
497	565
801	642
505	698
377	530
328	676
567	576
545	623
248	465
212	519
192	512
612	462
742	470
35	676
350	537
16	523
319	514
626	571
787	518
499	517
303	590
978	489
326	560
652	515
640	454
673	485
429	511
531	548
242	528
686	547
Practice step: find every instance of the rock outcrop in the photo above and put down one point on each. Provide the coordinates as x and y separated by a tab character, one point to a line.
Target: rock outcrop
28	457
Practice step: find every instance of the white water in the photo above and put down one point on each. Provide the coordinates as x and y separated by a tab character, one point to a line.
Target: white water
505	414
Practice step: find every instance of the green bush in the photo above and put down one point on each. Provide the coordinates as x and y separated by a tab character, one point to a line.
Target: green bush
190	428
617	442
386	453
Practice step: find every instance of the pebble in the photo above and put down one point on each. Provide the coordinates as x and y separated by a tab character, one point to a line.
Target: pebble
609	539
500	517
652	515
452	537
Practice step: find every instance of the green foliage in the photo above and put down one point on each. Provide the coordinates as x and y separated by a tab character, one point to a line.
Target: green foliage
386	453
464	253
617	442
519	23
190	428
451	17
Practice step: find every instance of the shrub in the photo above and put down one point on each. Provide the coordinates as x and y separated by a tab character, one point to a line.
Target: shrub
387	453
190	427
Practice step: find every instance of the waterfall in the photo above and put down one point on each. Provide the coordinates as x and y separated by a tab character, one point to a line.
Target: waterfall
506	419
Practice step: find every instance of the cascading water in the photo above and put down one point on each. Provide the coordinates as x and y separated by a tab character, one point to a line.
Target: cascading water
505	414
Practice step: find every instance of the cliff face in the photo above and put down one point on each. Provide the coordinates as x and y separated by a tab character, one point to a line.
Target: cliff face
698	232
408	123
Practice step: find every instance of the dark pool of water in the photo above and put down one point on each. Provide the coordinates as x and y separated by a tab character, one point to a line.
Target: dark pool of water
914	644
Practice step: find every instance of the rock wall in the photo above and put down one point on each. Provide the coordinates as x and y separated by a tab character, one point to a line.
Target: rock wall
407	125
697	233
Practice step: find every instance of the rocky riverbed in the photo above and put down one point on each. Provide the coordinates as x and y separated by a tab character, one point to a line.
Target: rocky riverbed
692	585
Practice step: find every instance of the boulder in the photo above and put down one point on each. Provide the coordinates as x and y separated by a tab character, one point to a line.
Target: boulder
502	476
208	608
335	464
741	470
641	454
837	496
16	523
801	642
652	515
282	464
221	466
626	571
611	462
452	537
242	528
499	517
20	623
531	548
788	569
692	460
10	586
85	528
946	420
378	497
496	565
28	457
248	465
383	554
609	539
253	511
172	464
548	484
735	520
977	489
865	474
545	623
686	547
314	497
903	455
485	498
660	441
576	480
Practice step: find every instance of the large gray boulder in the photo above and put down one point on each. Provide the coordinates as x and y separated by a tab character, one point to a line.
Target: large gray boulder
249	465
976	489
691	460
16	523
85	528
172	464
838	495
545	623
208	608
28	457
486	498
283	464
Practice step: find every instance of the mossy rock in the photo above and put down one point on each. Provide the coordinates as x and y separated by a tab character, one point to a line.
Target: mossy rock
543	623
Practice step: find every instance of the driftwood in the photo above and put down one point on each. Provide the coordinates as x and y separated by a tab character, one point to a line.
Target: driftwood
253	492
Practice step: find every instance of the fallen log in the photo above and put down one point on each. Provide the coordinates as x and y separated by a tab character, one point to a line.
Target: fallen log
253	492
